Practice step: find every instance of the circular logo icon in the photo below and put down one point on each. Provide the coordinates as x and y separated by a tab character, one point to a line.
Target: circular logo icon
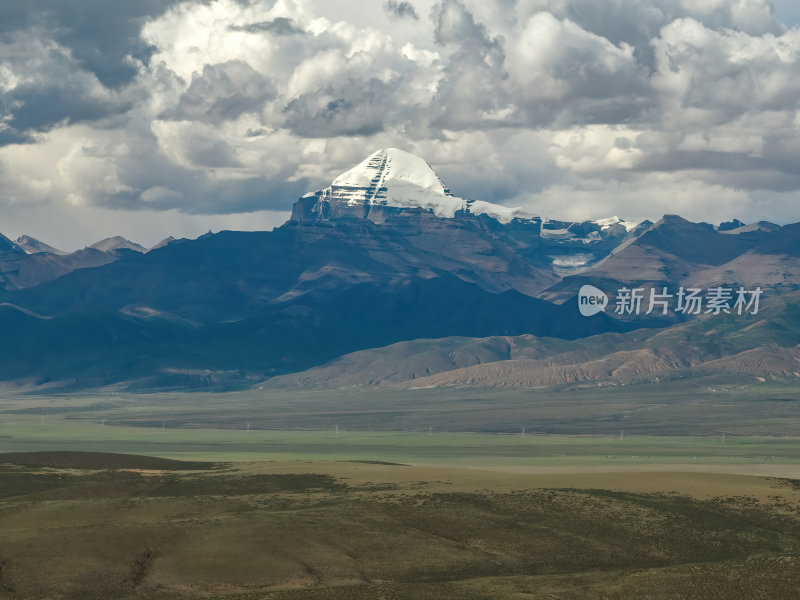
591	300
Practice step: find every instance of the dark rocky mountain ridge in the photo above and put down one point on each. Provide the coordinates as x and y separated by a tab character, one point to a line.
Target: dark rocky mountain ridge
372	261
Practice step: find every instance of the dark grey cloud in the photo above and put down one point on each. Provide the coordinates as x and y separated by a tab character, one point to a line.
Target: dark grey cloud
195	194
51	90
38	108
151	180
210	152
585	79
774	168
637	22
74	58
354	107
278	26
251	133
401	10
10	135
223	92
633	22
100	35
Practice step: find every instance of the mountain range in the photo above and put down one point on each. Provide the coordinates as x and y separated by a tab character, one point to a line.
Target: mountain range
386	278
29	262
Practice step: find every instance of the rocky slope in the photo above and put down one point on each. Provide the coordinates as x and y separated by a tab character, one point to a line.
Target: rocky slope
759	346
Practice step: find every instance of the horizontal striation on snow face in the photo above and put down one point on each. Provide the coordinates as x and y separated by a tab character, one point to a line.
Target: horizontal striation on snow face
392	177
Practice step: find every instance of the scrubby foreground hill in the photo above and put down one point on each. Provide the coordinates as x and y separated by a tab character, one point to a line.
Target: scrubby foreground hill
345	531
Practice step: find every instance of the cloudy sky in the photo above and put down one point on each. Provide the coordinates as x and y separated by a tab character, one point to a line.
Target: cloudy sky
161	117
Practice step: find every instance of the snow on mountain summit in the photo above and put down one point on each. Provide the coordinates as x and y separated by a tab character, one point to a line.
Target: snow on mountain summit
388	168
395	179
392	177
33	246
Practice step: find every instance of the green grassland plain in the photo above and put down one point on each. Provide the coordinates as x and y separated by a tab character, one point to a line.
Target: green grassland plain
646	492
669	423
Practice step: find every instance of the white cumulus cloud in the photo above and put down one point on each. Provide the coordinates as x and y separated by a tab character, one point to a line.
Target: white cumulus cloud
570	108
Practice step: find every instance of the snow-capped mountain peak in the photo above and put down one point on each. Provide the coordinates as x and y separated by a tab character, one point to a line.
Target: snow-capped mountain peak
382	171
391	179
33	246
611	221
395	178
